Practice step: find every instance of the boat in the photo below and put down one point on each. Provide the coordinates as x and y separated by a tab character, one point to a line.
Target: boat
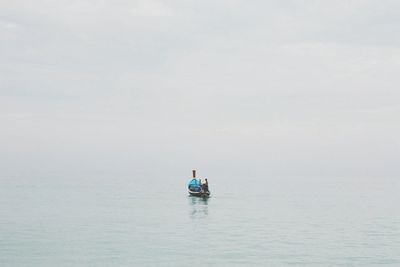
196	189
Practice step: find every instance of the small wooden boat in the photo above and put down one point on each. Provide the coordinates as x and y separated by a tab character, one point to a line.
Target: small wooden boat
196	189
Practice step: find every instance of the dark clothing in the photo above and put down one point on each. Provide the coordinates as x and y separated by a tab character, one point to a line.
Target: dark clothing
204	187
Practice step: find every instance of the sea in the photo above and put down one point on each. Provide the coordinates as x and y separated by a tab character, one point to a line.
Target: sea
139	220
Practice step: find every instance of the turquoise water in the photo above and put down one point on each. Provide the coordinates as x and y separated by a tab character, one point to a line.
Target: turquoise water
264	221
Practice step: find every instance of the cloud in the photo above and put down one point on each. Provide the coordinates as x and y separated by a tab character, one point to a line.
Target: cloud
277	83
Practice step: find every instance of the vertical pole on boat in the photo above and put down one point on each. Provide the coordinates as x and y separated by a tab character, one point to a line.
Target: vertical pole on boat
194	173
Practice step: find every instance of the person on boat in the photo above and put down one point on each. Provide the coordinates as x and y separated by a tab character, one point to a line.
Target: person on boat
204	186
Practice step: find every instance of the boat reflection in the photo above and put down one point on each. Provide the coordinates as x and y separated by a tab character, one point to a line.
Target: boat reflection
199	207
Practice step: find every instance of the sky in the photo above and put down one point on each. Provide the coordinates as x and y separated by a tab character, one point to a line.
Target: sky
229	87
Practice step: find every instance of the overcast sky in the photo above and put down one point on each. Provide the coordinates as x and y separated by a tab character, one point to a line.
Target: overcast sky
267	87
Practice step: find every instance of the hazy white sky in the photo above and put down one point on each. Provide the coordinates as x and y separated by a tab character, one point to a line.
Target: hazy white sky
269	87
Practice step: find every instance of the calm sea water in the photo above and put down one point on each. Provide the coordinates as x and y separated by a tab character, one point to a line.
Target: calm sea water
263	221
